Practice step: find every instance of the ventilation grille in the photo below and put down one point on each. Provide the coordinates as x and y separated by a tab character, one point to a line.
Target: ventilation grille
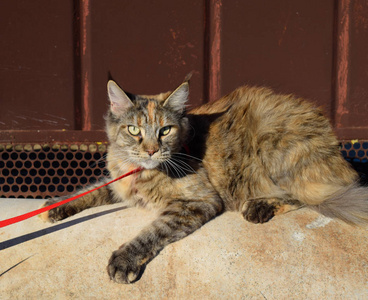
48	170
355	151
44	171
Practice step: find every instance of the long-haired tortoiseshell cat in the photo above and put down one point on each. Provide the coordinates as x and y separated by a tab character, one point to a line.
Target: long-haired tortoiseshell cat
252	151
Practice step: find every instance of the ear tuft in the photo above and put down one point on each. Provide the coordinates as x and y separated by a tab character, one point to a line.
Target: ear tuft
188	77
119	101
178	98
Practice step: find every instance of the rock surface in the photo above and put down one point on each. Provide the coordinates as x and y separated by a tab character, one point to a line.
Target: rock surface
299	255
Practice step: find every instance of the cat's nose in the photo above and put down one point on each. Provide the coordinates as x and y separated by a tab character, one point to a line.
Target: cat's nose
151	151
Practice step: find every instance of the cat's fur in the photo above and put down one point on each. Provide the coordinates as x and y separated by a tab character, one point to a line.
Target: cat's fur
253	151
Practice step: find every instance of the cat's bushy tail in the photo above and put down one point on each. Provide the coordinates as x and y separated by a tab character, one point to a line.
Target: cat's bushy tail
349	204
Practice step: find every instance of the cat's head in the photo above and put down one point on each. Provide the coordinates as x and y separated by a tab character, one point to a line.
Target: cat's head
147	130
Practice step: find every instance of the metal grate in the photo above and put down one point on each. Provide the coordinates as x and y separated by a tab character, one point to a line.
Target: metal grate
48	170
355	151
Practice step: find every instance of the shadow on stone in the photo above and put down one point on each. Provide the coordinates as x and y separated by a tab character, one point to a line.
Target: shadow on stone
17	264
57	227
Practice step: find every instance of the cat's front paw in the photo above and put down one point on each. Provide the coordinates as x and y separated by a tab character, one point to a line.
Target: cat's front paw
125	266
53	215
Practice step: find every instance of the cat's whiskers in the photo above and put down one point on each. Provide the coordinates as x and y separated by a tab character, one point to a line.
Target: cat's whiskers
187	155
119	164
96	162
185	166
173	167
180	171
164	164
169	167
119	168
103	158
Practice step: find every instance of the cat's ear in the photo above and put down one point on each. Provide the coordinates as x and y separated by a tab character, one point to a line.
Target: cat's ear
119	101
178	98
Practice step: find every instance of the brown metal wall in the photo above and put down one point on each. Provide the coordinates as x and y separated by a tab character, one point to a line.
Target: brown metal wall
147	46
286	45
56	56
351	75
36	65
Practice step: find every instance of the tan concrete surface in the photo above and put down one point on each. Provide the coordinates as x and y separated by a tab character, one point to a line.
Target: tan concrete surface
295	256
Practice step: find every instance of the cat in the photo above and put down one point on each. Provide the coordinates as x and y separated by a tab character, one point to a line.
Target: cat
252	151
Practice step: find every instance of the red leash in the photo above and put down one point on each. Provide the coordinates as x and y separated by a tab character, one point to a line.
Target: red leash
47	208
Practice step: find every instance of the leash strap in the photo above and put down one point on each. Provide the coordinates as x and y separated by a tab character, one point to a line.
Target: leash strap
17	219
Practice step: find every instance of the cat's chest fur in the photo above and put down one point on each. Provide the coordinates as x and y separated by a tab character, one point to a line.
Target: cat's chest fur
148	188
154	189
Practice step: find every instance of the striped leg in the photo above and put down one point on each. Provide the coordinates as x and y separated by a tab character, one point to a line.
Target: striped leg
99	197
178	220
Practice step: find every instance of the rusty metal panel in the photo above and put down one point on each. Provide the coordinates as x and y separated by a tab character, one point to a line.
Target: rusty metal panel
147	46
285	45
351	105
56	57
213	23
36	65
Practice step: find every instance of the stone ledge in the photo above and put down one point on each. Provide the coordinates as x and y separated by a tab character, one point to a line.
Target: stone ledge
295	256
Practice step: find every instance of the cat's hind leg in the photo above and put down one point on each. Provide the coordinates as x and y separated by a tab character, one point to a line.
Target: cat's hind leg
264	209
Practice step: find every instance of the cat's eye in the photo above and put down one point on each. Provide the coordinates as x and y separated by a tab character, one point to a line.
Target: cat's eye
165	130
133	130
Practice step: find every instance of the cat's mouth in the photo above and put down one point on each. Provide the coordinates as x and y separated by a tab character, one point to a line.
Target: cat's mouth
152	162
149	163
